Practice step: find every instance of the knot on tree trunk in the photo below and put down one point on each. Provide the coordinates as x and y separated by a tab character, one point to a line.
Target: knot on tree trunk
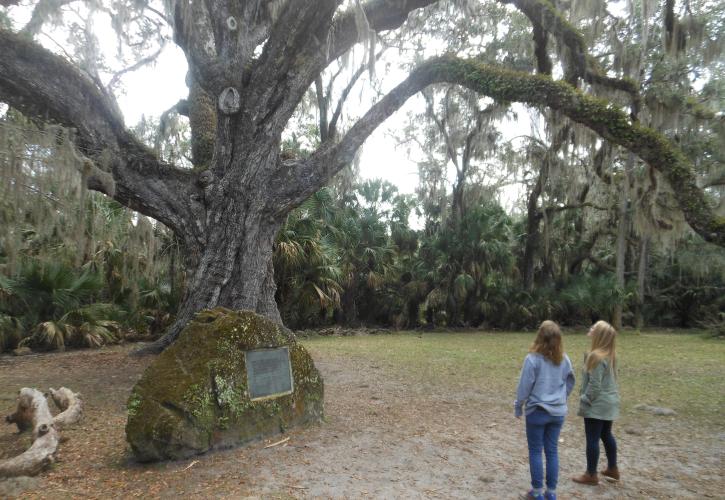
229	101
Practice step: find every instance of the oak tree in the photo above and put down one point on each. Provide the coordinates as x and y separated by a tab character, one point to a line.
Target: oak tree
250	65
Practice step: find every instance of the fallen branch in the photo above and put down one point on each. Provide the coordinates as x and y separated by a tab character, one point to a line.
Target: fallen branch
277	443
69	404
192	464
33	413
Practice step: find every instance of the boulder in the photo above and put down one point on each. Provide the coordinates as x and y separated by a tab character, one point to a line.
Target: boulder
194	396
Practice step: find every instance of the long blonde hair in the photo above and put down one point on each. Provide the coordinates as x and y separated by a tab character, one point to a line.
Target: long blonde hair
548	342
603	346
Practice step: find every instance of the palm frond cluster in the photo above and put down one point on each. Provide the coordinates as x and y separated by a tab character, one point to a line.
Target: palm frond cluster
355	260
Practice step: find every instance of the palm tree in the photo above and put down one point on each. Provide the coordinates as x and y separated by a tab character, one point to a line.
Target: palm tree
306	262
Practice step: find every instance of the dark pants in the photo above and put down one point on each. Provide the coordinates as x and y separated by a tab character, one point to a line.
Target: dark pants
595	430
542	433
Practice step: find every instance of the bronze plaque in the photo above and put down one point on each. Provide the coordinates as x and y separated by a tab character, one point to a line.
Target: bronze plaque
269	373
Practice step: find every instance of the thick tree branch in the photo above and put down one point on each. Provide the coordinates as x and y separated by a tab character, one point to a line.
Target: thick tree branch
47	88
302	42
543	61
283	72
298	181
547	19
193	34
382	15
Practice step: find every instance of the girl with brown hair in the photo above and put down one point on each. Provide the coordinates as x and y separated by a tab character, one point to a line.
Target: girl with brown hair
547	379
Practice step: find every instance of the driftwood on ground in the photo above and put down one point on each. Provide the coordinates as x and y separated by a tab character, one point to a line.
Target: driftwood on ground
33	413
69	403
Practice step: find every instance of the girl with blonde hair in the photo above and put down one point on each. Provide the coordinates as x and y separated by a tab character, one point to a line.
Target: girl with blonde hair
599	402
547	379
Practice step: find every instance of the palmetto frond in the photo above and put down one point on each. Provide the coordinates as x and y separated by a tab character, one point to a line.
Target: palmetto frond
93	313
49	335
96	334
462	285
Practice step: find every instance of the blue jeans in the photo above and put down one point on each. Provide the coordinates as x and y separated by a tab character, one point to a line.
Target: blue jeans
542	432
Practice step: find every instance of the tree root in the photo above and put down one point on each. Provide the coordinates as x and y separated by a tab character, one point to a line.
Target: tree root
33	413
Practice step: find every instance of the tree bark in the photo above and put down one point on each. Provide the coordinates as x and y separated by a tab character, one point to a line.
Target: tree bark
235	267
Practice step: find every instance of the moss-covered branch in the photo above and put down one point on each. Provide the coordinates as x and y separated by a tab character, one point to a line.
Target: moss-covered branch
47	88
511	86
600	116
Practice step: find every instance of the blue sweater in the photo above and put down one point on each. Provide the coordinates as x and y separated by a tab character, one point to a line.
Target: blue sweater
544	384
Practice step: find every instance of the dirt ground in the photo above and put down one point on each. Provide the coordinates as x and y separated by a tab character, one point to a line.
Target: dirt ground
384	436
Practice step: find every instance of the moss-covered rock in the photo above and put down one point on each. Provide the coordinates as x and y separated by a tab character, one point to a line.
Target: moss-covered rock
194	396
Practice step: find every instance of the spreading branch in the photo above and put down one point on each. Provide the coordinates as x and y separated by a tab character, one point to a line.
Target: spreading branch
47	88
382	15
299	180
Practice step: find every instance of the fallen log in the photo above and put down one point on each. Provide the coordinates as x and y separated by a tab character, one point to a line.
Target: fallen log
33	413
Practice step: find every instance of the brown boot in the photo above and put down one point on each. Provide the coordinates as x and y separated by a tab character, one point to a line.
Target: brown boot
586	478
611	474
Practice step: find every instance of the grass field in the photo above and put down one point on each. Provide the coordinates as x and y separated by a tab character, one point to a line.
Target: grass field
682	371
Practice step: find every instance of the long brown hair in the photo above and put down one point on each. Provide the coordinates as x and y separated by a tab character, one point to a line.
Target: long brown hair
548	342
603	346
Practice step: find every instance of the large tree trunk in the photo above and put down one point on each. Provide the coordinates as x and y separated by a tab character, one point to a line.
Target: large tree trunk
234	268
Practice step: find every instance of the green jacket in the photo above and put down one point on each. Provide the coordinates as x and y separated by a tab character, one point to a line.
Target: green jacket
599	394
